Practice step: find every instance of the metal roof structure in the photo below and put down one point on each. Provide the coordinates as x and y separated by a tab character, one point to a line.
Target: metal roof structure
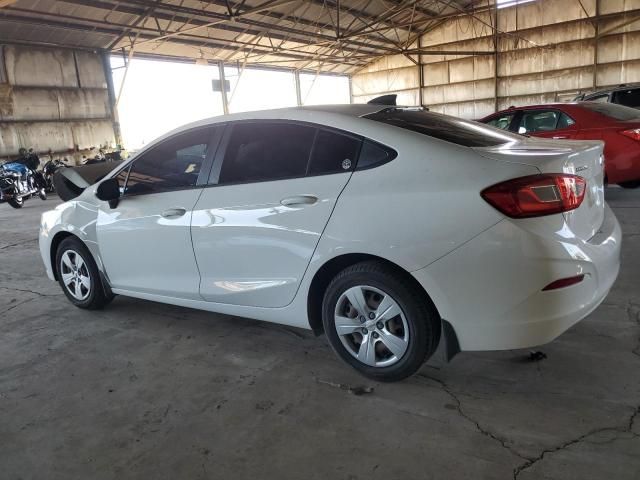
329	36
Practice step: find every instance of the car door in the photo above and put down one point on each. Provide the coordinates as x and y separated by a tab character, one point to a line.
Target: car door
272	190
145	241
547	123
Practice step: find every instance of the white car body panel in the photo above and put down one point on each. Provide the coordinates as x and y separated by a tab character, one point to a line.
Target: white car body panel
422	211
253	250
145	251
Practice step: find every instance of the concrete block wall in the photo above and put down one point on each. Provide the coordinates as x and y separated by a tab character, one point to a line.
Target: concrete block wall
546	52
53	100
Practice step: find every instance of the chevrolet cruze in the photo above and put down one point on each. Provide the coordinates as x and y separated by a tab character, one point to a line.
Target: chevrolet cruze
392	230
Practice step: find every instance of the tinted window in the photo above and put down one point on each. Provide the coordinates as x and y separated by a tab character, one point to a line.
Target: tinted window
611	110
373	154
565	121
444	127
266	151
628	98
502	121
173	164
538	121
333	152
600	98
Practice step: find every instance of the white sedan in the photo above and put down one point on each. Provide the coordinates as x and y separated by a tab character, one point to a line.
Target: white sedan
389	229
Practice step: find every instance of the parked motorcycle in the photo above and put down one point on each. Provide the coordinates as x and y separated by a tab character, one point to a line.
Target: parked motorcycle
49	168
18	183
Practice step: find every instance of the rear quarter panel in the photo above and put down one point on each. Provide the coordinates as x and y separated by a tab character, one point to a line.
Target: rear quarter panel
418	207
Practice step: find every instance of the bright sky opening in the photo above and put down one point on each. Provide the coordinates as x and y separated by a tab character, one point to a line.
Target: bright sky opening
159	96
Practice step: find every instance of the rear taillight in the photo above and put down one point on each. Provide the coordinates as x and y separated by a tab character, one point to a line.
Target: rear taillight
537	195
633	134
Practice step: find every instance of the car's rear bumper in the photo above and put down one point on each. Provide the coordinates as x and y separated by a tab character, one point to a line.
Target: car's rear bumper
490	289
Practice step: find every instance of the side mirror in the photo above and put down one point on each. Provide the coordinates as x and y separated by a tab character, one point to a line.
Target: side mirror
109	191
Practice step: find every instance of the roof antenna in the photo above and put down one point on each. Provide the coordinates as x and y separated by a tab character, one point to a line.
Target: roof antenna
384	100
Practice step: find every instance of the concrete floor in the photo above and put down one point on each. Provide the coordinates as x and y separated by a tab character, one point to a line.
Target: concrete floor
142	390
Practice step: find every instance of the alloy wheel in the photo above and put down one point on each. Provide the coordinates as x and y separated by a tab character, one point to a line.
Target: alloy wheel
75	275
371	326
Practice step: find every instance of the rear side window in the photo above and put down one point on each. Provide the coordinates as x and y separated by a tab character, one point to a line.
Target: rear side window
444	127
266	151
628	98
565	121
373	154
539	121
333	153
611	110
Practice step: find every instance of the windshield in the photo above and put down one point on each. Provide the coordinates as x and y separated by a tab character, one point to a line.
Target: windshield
611	110
444	127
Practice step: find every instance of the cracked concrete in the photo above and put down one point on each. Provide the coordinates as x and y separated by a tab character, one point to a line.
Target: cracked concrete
142	390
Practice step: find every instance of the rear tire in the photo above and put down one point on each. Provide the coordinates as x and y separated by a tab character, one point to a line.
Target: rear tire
379	322
634	184
78	275
16	202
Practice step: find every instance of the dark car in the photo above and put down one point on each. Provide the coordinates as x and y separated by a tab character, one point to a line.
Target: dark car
627	95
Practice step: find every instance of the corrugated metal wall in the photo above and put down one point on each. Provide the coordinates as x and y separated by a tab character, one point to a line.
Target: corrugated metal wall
52	100
546	53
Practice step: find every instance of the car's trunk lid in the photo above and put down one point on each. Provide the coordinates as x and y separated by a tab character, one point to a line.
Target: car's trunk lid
583	158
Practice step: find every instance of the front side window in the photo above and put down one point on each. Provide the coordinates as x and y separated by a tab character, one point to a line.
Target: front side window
333	153
443	127
264	151
538	121
174	164
501	121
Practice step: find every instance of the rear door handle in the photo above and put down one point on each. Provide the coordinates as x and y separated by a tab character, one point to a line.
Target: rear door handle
298	200
174	212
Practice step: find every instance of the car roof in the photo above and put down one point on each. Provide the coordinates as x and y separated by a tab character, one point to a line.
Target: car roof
619	88
321	114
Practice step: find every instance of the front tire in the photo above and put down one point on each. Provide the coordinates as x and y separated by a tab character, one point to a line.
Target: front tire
78	275
16	202
379	322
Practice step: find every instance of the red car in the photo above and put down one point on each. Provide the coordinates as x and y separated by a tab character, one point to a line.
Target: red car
617	126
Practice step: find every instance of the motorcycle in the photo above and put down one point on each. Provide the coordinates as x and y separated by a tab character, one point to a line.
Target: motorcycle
48	170
18	183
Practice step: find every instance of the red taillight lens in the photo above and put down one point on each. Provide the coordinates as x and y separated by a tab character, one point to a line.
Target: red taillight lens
633	134
537	195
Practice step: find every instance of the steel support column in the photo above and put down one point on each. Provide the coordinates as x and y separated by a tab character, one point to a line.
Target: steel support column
296	76
223	89
111	92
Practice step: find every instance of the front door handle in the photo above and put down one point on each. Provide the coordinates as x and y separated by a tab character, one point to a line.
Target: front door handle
174	212
298	200
560	137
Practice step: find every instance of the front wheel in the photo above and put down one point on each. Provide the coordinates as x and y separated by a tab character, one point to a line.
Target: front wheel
16	202
78	275
379	322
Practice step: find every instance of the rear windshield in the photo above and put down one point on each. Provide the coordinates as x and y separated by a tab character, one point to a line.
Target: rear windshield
444	127
611	110
628	98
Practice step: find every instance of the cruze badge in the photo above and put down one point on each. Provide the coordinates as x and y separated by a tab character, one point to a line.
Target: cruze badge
581	168
346	164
